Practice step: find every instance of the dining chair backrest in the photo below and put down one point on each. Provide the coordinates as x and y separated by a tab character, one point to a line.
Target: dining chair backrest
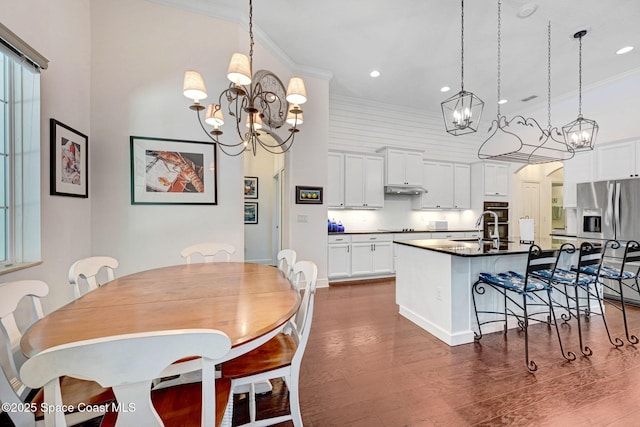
128	364
286	261
301	324
208	251
11	293
87	269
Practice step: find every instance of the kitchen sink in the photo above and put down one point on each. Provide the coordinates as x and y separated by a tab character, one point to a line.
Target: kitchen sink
475	239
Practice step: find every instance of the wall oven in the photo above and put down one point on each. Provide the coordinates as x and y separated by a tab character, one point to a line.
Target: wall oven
502	210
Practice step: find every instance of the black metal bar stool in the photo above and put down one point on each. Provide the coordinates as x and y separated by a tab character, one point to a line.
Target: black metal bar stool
534	292
625	277
585	287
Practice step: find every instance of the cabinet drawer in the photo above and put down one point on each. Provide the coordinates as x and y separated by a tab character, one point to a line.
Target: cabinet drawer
447	234
364	238
341	238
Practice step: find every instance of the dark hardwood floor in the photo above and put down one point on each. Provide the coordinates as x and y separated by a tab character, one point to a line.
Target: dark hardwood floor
366	365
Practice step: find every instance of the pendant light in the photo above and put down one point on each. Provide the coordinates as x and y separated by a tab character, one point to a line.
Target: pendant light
581	133
462	111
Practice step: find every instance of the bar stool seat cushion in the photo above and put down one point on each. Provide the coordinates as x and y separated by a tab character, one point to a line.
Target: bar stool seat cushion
606	271
514	281
564	277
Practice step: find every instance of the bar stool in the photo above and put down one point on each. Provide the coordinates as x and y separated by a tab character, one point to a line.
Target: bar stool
535	292
625	279
584	286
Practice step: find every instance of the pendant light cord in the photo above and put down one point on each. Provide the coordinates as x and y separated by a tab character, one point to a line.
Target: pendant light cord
462	47
580	78
549	75
499	48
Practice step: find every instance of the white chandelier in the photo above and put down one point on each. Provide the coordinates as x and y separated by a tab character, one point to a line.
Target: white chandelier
259	105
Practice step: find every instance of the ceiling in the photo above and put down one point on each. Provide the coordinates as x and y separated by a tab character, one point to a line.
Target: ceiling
415	44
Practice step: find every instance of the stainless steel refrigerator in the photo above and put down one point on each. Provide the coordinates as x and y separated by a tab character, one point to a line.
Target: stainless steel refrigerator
610	210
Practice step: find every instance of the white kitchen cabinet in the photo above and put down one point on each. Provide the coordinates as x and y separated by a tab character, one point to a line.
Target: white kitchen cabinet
371	254
618	160
438	180
339	257
461	186
496	179
576	170
402	167
335	184
364	181
448	234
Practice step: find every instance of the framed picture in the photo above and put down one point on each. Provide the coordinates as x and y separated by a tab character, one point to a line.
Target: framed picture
250	212
308	195
173	171
69	161
250	187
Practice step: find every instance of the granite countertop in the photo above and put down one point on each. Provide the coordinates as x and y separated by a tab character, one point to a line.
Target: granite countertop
467	247
460	230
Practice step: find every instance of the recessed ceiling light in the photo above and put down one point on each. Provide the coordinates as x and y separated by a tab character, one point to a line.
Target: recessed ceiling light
445	89
374	73
624	50
527	10
502	101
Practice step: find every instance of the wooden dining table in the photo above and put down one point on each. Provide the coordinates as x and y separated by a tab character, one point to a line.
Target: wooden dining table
251	303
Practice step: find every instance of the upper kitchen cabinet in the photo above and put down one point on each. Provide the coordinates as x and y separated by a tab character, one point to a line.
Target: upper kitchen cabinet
335	186
402	167
438	182
617	161
496	181
461	186
576	170
364	181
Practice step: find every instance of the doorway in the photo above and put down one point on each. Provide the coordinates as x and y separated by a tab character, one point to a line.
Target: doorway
531	205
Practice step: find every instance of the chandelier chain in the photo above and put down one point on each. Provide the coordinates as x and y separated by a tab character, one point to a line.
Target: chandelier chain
251	35
499	48
462	48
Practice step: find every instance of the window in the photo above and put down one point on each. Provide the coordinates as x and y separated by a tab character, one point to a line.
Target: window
19	152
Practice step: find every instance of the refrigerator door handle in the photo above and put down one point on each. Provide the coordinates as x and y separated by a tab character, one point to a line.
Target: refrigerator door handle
608	215
617	227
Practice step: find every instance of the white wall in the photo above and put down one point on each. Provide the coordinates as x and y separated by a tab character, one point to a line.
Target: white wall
59	30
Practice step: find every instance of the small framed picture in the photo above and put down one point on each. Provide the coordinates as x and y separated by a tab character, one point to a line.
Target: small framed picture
69	161
250	187
172	171
250	212
308	195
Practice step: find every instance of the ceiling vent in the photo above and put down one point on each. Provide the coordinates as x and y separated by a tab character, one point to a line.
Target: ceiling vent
529	98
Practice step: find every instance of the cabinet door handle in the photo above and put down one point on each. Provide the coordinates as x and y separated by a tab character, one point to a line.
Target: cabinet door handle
347	249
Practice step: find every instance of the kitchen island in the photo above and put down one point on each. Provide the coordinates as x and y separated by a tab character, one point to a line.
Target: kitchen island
434	279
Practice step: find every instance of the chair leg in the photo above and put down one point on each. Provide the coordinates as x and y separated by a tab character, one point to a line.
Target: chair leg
252	403
294	399
480	290
583	348
531	365
631	338
617	342
570	355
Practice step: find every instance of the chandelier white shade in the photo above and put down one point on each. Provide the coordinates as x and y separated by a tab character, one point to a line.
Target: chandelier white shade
257	103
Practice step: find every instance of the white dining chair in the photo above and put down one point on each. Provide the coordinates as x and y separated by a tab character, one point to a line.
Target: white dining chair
208	251
286	261
279	357
12	388
87	270
128	364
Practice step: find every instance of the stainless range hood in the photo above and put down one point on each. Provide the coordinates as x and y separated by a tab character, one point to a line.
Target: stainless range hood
404	189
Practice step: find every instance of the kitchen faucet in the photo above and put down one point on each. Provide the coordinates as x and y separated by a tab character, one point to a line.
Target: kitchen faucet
495	237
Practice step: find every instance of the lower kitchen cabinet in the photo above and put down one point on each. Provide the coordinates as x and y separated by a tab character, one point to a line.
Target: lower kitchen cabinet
371	254
339	257
360	255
